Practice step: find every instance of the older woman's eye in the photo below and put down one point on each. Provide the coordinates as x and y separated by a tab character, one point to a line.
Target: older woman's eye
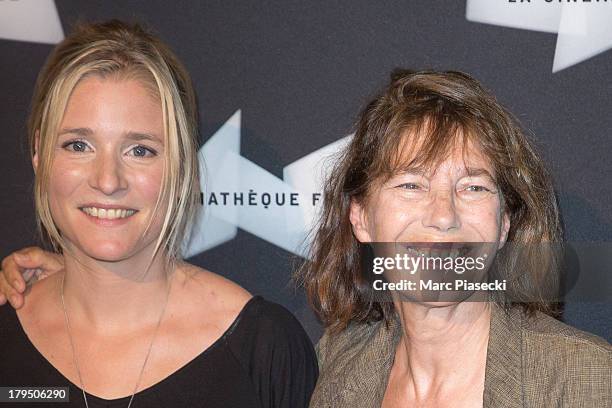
410	186
141	151
75	146
478	189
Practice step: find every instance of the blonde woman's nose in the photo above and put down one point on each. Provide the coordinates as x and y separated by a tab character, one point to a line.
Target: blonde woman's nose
108	174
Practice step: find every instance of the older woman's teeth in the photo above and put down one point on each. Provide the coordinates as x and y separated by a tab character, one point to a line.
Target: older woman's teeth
107	214
436	252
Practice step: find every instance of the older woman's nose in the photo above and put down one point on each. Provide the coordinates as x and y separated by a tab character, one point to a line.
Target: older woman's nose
441	213
108	174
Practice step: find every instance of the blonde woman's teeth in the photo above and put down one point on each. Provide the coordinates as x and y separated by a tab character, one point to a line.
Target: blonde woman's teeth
107	214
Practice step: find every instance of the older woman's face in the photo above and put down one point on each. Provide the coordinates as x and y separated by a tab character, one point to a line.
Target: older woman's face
107	168
456	202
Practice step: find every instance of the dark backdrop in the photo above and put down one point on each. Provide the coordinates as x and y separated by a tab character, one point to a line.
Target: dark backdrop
299	71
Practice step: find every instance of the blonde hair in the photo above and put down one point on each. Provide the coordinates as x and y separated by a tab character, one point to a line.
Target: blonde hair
119	50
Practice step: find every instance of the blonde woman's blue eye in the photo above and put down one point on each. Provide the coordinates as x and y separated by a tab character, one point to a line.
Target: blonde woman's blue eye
141	151
75	146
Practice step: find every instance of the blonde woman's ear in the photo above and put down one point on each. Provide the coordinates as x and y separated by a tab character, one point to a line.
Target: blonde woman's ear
359	222
35	156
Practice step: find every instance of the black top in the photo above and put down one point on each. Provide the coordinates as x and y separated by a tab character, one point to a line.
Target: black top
265	359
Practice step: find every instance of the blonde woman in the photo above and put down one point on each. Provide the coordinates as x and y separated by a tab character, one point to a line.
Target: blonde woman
125	321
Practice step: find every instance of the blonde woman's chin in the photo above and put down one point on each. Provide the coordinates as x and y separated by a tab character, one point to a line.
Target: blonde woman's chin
110	251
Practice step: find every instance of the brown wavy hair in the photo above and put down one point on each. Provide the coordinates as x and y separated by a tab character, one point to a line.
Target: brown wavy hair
439	107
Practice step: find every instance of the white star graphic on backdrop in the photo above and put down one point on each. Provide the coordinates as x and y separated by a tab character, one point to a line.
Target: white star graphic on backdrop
224	170
30	20
584	29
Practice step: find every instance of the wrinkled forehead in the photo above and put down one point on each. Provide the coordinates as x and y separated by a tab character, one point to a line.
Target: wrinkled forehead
424	148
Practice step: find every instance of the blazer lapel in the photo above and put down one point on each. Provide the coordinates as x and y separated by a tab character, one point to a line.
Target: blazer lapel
362	380
503	377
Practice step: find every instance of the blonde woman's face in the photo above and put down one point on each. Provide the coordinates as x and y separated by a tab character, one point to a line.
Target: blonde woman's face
107	169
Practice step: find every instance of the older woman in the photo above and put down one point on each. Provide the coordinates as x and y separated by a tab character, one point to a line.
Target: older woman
125	321
435	159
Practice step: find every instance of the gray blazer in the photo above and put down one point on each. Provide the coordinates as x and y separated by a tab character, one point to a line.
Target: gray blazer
531	362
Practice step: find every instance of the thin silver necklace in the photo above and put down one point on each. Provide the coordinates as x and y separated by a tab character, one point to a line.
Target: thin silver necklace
74	355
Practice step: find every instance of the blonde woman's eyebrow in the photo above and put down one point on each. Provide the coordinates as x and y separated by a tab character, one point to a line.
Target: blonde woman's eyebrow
135	136
76	131
138	136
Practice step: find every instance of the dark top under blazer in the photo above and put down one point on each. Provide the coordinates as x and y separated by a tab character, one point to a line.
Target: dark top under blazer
265	359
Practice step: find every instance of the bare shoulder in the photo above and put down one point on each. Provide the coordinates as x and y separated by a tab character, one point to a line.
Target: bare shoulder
41	302
209	293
